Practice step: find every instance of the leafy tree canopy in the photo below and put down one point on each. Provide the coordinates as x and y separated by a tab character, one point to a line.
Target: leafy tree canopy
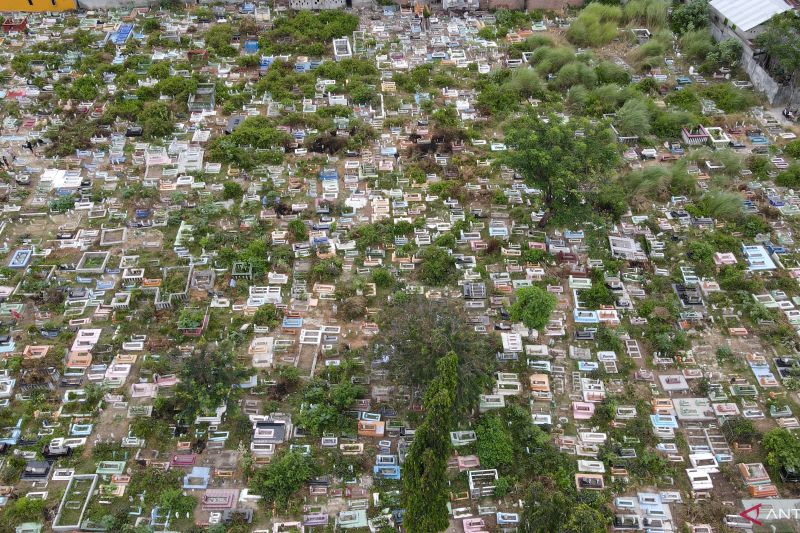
425	484
277	482
416	331
690	16
533	306
563	159
438	266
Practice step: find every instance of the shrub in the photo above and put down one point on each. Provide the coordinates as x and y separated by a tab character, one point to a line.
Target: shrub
382	278
650	54
354	307
232	191
536	255
759	165
62	204
793	148
726	53
611	199
789	177
729	98
298	230
495	446
668	124
604	99
685	99
783	449
526	83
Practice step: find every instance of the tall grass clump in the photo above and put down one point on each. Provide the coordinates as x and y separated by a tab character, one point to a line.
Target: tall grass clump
575	73
595	26
651	54
696	45
608	72
550	60
722	205
730	159
650	184
650	13
526	83
633	118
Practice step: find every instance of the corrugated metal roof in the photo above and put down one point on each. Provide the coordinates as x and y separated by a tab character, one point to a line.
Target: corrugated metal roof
747	14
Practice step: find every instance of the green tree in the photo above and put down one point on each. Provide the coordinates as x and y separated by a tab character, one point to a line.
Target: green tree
267	315
545	510
690	16
157	119
438	266
445	117
175	501
69	137
85	88
207	379
781	42
556	511
533	306
327	270
255	141
425	484
325	406
159	70
277	482
416	331
585	519
551	156
727	53
219	37
598	294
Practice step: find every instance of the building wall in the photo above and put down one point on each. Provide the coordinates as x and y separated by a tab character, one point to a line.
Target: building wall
317	4
503	4
554	5
776	93
37	5
117	4
530	5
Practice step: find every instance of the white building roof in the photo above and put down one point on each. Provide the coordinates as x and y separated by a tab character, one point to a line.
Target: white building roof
747	14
